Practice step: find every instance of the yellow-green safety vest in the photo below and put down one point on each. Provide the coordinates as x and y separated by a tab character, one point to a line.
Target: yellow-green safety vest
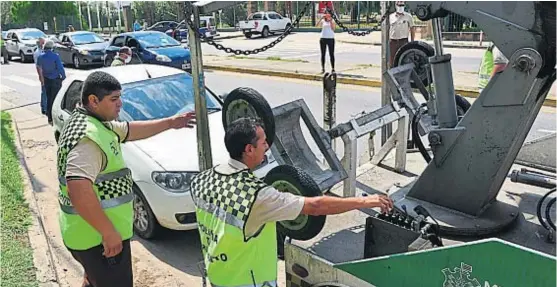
486	68
113	186
223	205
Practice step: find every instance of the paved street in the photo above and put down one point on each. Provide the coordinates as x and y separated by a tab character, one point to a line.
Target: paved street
305	46
171	259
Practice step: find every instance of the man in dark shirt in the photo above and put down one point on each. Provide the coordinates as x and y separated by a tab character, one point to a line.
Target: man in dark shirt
52	74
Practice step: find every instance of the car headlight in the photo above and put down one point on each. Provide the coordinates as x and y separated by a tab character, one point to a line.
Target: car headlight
163	58
84	52
173	181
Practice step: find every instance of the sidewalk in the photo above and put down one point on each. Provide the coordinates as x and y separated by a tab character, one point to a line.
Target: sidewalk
465	82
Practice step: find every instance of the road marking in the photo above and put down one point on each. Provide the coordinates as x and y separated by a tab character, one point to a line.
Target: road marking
24	81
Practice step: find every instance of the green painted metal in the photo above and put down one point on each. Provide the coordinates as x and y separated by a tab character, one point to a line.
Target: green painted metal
484	263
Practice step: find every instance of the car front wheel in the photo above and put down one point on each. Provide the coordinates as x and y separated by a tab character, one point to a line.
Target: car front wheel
145	223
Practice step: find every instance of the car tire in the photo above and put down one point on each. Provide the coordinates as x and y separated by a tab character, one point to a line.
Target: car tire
108	61
418	53
22	57
247	102
265	32
145	223
287	178
462	105
247	35
75	62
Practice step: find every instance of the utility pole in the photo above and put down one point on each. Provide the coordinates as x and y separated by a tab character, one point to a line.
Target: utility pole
99	16
119	16
79	8
387	130
89	15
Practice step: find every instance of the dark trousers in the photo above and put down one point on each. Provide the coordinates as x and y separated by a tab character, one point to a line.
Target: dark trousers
102	272
394	45
330	43
52	86
5	54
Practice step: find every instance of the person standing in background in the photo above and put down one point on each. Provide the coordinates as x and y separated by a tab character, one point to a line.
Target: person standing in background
51	73
401	26
36	55
327	40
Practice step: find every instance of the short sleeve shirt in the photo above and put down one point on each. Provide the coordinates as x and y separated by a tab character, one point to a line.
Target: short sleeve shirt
271	205
86	160
400	26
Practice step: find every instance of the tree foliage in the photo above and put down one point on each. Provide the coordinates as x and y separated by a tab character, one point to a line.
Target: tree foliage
24	11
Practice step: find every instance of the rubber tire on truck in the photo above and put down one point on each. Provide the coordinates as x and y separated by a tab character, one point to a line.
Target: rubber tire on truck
287	178
422	51
462	105
247	102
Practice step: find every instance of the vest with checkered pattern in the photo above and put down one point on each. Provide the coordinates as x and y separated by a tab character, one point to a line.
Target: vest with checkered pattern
223	205
112	186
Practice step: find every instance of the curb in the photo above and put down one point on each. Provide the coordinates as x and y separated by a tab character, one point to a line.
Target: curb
42	259
549	102
444	45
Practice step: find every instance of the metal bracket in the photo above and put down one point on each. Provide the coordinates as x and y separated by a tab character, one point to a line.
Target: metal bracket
442	142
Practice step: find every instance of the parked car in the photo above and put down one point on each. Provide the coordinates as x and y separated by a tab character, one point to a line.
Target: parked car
264	23
162	166
23	43
206	27
162	26
81	48
150	47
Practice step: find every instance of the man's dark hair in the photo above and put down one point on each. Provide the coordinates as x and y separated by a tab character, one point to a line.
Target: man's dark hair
100	84
240	133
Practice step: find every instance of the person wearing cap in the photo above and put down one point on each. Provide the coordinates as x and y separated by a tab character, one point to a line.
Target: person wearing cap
51	73
401	26
36	55
123	57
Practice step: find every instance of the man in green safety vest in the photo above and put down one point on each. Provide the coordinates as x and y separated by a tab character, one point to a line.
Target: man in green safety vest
236	212
96	218
493	62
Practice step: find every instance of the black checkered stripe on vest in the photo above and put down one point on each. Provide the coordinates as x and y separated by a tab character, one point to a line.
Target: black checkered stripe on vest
234	193
72	133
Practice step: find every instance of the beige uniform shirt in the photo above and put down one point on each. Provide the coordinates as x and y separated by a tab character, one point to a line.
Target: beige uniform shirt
270	205
400	26
86	159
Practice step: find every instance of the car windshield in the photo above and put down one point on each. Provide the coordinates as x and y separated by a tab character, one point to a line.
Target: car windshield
31	35
160	98
88	38
156	40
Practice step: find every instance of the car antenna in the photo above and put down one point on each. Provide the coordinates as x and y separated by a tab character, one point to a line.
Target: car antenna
146	71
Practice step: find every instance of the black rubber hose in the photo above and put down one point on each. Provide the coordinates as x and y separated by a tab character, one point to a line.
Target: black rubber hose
416	136
548	213
539	208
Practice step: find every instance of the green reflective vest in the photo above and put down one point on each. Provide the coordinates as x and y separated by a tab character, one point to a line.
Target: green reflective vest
486	68
223	205
113	185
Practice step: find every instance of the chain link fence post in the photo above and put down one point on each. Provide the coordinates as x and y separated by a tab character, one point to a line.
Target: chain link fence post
387	130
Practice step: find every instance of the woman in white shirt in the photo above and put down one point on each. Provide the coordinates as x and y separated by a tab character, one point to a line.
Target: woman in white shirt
327	39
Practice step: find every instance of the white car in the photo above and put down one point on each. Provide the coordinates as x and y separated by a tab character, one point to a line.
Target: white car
23	43
162	166
264	23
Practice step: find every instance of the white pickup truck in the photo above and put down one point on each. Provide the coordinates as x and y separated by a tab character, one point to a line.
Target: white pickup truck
264	23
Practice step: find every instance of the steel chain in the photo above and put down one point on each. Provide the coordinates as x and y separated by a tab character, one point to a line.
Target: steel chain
345	29
247	52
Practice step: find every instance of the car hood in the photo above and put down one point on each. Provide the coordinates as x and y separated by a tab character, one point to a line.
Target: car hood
174	53
93	46
29	42
176	150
